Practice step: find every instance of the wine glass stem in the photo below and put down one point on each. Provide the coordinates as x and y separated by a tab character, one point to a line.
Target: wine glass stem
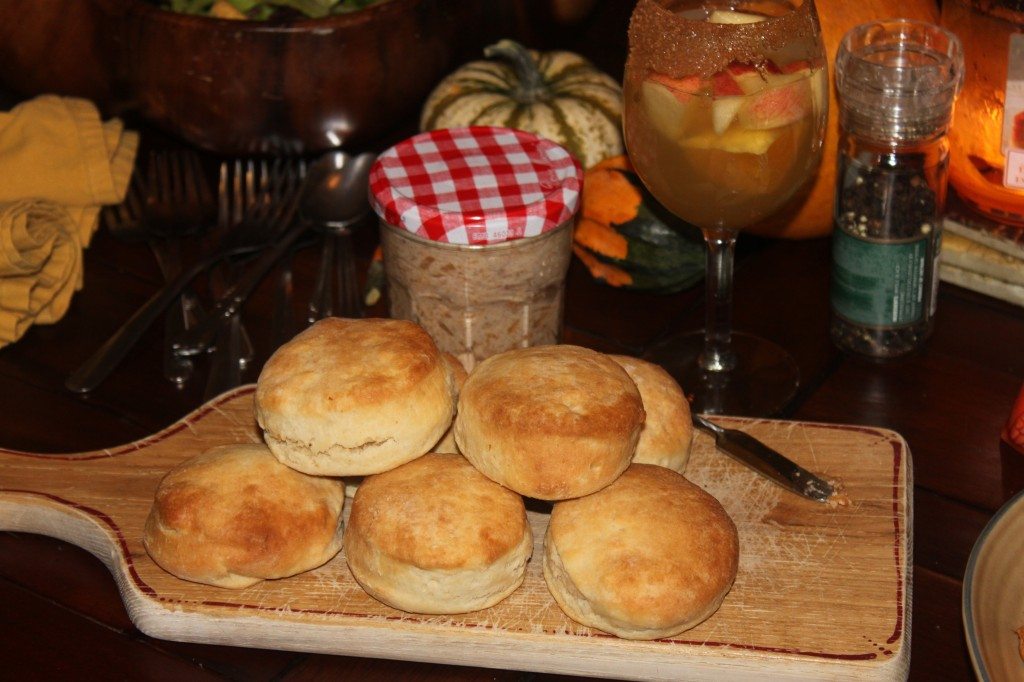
718	355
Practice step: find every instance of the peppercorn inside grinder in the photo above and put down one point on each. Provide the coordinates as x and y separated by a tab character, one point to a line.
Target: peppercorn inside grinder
896	83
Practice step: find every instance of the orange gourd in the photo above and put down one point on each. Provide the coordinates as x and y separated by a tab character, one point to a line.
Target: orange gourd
810	214
624	237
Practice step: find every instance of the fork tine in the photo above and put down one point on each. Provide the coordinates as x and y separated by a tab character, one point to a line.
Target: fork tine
238	202
189	180
287	198
223	205
250	183
273	196
177	175
264	181
198	176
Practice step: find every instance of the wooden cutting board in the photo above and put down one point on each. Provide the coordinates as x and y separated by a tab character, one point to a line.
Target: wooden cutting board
822	590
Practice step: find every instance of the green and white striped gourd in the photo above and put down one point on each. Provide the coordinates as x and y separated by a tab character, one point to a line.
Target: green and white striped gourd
558	95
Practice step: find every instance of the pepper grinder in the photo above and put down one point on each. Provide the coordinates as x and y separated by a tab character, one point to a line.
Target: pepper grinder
896	83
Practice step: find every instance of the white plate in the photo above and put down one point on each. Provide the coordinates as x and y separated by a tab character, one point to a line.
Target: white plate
993	599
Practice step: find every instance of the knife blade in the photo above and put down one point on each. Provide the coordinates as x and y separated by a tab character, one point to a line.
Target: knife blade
767	461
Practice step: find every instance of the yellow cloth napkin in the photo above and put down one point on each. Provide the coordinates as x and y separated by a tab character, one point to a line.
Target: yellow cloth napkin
59	163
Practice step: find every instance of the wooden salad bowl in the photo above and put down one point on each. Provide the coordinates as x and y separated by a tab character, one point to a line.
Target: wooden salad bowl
241	87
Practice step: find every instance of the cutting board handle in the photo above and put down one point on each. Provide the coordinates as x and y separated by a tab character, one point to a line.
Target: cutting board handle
52	495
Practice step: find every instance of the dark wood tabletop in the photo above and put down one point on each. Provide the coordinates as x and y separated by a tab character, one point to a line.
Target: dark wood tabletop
62	615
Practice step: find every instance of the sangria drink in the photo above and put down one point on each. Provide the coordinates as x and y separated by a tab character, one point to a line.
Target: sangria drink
728	150
725	110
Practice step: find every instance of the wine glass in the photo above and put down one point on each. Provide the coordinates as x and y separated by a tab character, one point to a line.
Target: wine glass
725	107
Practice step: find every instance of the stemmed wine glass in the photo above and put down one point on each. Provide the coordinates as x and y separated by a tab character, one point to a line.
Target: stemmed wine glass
725	107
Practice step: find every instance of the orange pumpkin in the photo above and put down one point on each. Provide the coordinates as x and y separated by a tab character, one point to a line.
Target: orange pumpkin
810	215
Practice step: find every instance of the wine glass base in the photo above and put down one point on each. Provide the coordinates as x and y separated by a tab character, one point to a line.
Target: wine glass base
763	382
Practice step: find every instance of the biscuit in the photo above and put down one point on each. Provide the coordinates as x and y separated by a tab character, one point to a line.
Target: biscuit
233	516
668	430
447	442
459	376
550	422
647	557
436	536
354	397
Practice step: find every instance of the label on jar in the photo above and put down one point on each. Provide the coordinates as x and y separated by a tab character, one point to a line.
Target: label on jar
878	284
1013	114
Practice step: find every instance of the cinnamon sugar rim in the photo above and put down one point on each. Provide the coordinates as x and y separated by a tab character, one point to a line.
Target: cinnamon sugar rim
665	42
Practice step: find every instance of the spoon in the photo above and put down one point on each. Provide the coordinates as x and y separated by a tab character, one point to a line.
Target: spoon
334	200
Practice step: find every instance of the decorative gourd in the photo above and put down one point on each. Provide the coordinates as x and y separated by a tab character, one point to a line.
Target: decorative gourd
810	214
626	239
557	95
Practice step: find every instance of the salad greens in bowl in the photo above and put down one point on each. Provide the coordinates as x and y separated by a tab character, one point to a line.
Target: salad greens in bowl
262	10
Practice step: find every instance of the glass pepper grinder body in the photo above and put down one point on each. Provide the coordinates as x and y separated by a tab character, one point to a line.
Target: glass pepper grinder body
896	82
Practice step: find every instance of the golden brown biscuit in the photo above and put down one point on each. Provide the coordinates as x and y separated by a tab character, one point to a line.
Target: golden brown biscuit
447	442
353	397
234	516
647	557
436	536
459	375
551	422
668	430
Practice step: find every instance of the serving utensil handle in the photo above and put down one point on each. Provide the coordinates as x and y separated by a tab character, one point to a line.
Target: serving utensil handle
201	337
99	366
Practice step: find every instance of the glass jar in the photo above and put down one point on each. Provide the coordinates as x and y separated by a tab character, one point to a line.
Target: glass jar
479	300
896	83
476	233
987	138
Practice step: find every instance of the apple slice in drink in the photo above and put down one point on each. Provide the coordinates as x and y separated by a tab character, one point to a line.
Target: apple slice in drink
734	141
721	16
786	99
670	103
728	98
747	77
817	79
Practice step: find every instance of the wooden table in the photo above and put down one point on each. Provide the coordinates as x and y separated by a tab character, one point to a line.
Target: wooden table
62	615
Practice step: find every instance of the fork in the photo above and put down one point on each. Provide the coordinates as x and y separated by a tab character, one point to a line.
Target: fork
259	227
277	204
178	203
125	221
242	188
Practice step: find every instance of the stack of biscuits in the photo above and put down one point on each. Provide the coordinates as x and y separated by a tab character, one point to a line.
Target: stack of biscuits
439	525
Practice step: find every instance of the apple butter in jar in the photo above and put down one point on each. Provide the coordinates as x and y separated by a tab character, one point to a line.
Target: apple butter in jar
476	231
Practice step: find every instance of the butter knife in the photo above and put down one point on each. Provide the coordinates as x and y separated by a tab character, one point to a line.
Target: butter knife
200	338
767	461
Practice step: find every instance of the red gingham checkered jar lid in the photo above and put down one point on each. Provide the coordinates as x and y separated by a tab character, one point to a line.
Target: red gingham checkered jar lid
477	185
